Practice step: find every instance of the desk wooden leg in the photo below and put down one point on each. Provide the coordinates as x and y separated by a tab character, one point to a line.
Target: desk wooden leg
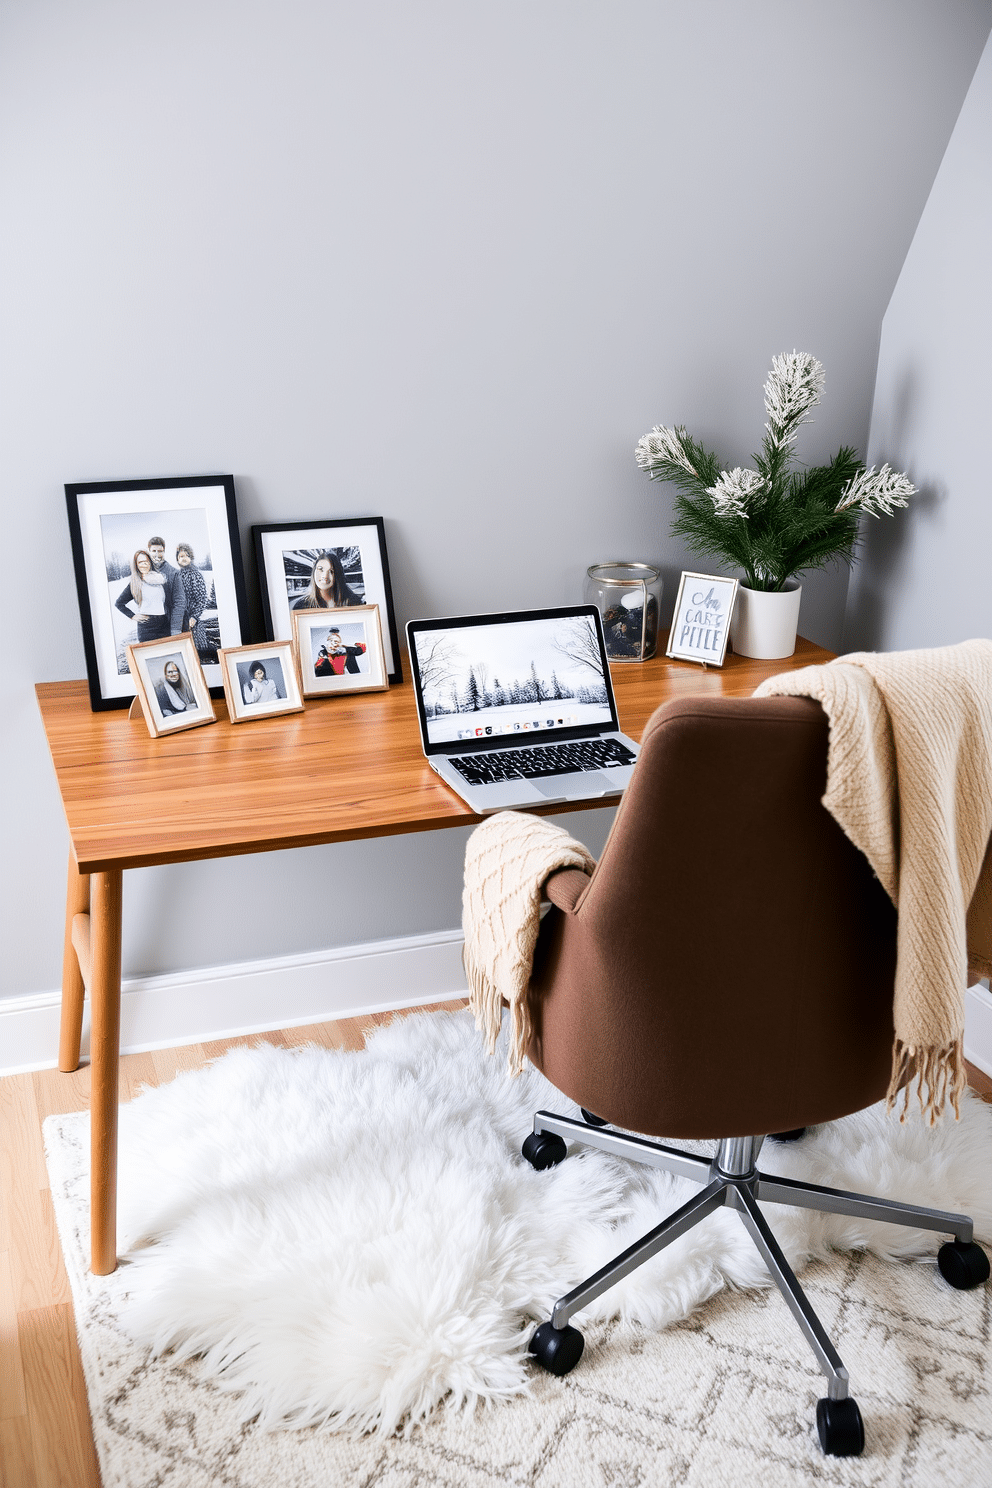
105	1001
77	902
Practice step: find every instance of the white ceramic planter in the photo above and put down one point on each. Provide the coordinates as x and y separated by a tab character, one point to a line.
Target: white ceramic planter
764	625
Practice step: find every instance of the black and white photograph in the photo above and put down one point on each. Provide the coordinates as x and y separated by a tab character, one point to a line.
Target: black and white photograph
325	565
171	687
260	681
153	559
482	680
324	578
159	586
340	651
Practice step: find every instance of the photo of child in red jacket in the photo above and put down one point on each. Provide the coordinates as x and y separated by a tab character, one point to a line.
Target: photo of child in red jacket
335	658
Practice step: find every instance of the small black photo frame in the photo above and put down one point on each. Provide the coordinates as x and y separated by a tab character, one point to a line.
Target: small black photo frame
333	564
153	559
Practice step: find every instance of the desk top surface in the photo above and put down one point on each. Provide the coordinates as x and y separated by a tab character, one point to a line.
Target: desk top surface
348	767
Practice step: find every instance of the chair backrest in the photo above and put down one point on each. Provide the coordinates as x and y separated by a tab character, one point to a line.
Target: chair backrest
728	970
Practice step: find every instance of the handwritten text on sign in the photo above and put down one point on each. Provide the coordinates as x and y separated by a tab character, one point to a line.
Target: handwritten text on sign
701	621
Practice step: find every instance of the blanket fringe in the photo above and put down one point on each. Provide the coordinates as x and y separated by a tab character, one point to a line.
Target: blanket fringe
938	1072
486	1003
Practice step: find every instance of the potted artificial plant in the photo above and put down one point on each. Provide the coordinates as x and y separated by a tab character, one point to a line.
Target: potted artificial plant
776	521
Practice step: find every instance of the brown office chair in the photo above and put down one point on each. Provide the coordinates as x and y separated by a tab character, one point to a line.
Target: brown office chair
726	973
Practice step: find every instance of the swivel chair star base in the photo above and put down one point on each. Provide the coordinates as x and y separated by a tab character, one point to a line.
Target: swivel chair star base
732	1179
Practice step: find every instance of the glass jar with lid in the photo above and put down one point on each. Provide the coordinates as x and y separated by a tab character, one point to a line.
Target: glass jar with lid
628	597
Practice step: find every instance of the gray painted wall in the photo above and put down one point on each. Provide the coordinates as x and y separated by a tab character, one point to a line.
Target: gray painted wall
924	579
442	262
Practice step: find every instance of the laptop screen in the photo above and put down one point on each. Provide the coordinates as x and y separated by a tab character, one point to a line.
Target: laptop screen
496	679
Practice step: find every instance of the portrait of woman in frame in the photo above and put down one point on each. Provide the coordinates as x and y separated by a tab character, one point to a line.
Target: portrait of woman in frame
339	563
171	687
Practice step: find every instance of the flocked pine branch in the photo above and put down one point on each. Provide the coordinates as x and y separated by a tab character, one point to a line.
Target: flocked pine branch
795	385
734	491
665	447
673	455
877	495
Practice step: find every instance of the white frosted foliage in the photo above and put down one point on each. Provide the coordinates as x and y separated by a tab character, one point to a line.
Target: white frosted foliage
663	445
795	385
878	494
734	489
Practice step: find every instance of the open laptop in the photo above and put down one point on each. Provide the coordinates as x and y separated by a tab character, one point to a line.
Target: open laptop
517	709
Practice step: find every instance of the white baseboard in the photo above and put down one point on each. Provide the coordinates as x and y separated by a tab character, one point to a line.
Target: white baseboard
978	1028
250	997
291	991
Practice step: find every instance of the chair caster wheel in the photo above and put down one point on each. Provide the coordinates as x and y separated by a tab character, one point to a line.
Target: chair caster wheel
544	1150
789	1136
963	1265
840	1427
592	1120
556	1349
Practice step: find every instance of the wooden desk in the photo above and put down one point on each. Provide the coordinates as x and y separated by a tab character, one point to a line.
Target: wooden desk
346	768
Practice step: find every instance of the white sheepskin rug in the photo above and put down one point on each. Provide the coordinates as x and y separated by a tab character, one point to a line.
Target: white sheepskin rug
350	1239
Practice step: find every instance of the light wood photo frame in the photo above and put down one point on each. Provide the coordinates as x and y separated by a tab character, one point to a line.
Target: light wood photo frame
340	650
260	681
170	684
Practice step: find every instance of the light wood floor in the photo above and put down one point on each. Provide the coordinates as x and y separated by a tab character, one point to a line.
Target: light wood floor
45	1437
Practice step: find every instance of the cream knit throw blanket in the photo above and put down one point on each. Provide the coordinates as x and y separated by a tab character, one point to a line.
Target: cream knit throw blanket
507	860
909	779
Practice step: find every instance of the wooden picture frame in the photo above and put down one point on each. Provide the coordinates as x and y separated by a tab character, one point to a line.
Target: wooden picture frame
340	650
287	554
251	697
171	687
198	581
701	622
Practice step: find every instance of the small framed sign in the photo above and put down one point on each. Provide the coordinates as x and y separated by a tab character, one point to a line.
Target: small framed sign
701	622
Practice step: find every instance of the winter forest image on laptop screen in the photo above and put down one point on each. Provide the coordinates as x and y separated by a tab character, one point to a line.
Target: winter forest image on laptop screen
511	678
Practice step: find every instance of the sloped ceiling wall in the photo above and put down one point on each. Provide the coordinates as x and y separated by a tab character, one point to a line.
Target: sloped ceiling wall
924	579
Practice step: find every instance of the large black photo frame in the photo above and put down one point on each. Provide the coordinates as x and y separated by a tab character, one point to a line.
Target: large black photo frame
111	527
287	554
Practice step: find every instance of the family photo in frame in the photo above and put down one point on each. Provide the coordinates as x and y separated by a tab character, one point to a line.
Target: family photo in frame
340	651
260	681
328	565
170	684
155	558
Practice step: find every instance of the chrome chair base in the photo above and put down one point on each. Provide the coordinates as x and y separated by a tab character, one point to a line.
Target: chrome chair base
732	1179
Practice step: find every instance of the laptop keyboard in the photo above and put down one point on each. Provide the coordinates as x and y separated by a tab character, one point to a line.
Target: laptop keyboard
548	759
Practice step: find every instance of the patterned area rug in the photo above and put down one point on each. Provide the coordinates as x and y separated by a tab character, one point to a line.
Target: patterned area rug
725	1392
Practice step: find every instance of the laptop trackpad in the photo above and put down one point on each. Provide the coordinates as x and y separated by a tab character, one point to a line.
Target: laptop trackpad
578	785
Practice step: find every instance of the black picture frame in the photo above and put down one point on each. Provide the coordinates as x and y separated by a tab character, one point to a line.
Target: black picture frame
284	568
105	519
